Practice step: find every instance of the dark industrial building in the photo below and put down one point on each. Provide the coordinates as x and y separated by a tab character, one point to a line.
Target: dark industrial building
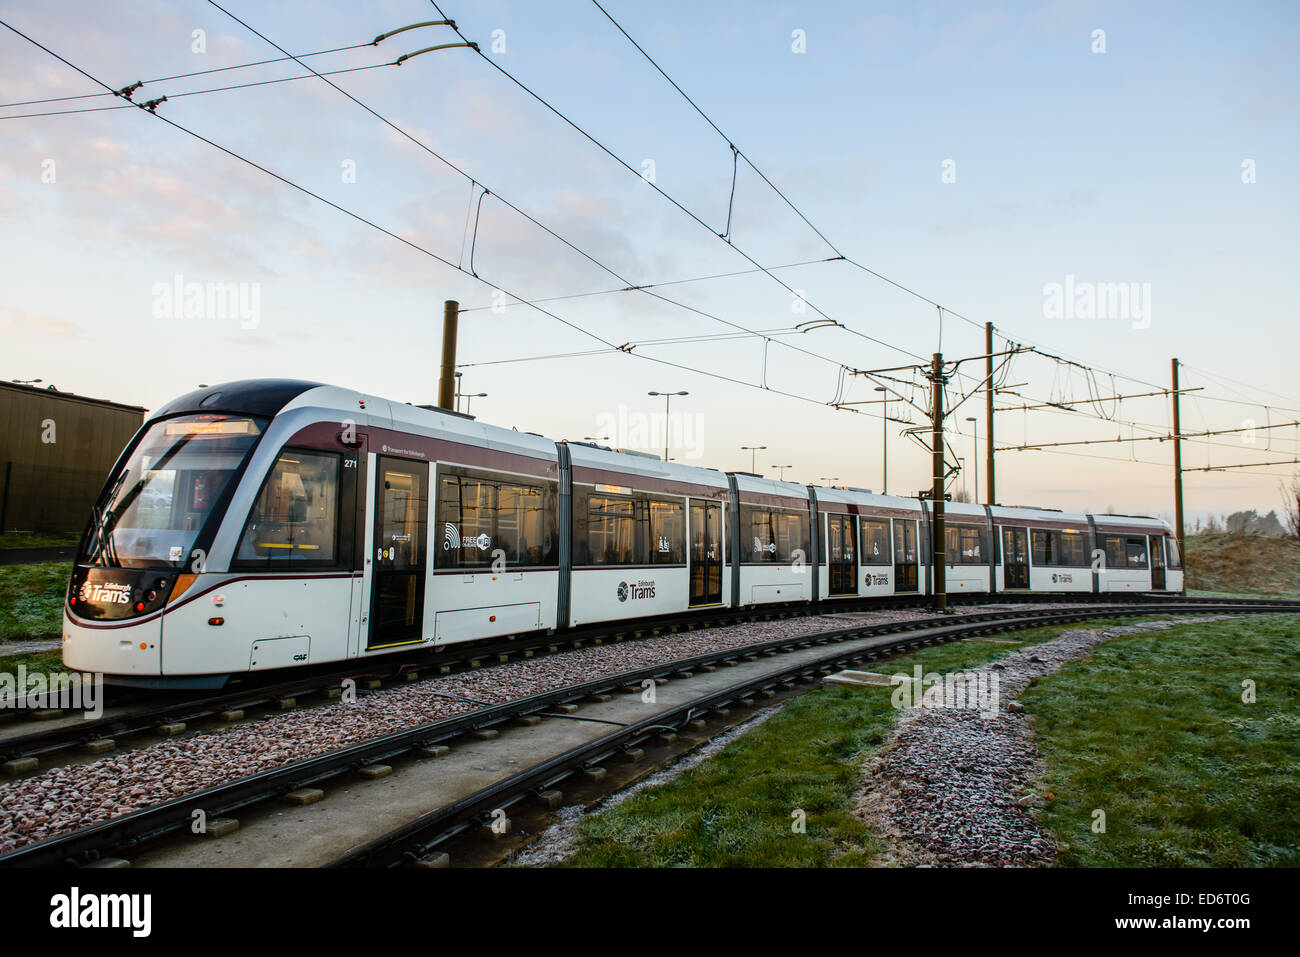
56	449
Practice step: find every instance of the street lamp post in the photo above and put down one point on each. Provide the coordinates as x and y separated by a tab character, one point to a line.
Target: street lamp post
975	456
467	396
781	469
753	451
668	398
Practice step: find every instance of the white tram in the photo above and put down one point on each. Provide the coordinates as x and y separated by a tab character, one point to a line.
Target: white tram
273	524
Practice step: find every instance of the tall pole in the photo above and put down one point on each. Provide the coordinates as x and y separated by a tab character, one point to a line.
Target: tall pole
668	398
1178	463
937	550
884	439
988	411
975	457
447	382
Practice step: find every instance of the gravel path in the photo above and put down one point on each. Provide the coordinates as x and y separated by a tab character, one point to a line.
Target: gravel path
27	647
954	788
76	796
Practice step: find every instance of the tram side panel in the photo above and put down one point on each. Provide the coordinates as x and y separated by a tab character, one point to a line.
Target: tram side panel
966	553
1124	563
776	559
495	542
629	553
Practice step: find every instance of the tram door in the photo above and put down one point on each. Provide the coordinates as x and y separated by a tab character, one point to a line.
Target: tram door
905	556
1157	550
401	552
706	552
1015	557
841	536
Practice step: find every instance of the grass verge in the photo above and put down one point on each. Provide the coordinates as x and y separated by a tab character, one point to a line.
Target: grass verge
1260	565
34	661
1151	729
31	600
734	810
38	539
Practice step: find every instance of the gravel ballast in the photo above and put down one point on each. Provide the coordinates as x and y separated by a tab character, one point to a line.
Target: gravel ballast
954	787
75	796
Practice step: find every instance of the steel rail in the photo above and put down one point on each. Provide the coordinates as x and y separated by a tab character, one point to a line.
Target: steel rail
461	654
417	839
144	720
116	835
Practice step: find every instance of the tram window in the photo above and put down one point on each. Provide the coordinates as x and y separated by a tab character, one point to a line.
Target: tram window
774	535
760	527
667	533
1043	548
964	545
481	513
1074	549
1065	548
875	542
792	536
1114	548
295	519
610	529
1136	549
1175	561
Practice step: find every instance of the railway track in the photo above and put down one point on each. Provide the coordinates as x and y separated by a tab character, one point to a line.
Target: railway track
24	751
871	640
322	685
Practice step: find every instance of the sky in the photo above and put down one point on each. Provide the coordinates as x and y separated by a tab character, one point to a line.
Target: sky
1004	161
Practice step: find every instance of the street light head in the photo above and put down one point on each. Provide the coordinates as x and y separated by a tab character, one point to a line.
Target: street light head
652	393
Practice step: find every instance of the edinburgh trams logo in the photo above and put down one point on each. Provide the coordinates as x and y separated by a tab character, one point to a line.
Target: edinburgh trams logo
636	590
112	593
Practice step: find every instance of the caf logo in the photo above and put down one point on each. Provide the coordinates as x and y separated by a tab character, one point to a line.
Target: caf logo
622	591
1055	578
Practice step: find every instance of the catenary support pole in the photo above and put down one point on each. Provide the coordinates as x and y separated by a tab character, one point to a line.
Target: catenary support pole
447	381
992	498
937	550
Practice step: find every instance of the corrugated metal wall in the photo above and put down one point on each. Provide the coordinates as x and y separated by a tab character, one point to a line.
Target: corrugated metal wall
55	452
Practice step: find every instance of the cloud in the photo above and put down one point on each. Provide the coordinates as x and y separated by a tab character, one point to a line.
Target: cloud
39	327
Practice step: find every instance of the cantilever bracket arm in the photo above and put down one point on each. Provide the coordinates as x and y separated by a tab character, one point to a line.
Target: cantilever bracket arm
413	26
441	46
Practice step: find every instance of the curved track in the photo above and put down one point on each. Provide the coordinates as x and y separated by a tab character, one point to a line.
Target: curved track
417	839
